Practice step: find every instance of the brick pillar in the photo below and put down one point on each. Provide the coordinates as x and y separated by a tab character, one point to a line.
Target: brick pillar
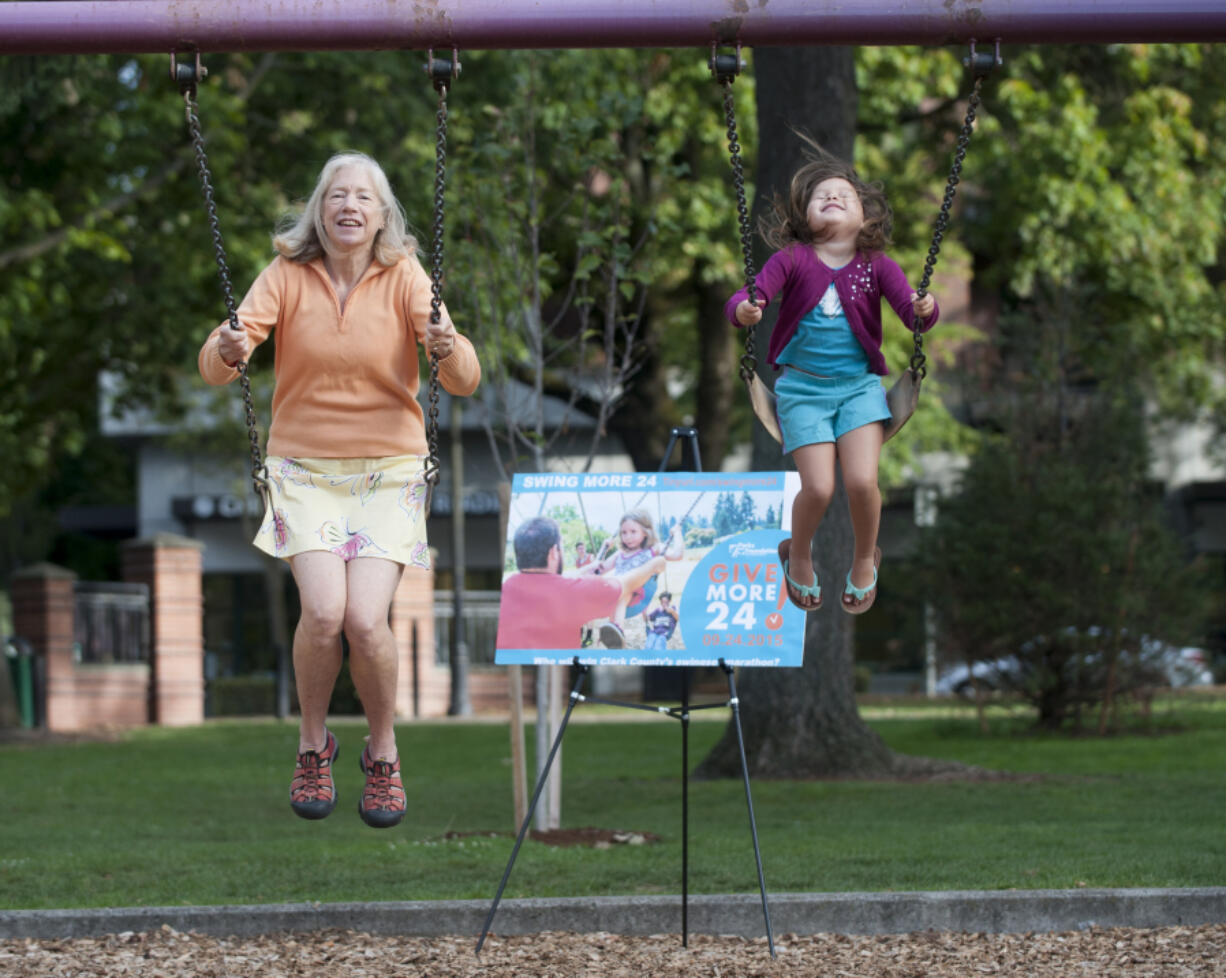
43	612
412	604
171	566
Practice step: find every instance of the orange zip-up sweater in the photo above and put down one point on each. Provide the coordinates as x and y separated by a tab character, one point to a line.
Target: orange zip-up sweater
346	382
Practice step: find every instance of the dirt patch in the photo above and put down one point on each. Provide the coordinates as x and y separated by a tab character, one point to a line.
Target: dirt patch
588	835
1169	952
594	837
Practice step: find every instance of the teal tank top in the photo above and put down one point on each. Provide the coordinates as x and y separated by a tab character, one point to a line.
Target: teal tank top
824	343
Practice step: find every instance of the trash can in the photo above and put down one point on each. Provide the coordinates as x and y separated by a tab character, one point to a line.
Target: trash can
20	656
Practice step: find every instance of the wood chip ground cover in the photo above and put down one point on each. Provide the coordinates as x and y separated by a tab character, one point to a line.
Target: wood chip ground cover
1168	952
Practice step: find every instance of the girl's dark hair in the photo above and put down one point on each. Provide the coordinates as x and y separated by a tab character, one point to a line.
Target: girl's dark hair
787	221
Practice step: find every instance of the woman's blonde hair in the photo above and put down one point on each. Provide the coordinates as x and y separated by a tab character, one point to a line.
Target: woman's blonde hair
303	238
787	221
643	519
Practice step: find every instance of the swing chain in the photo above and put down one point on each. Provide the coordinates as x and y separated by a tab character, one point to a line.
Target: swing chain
187	76
441	73
725	68
980	65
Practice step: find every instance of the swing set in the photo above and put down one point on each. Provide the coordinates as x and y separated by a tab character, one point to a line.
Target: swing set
189	27
903	396
89	26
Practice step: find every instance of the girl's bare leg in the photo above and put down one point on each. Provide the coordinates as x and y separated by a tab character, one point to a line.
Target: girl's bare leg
373	661
320	577
859	453
815	463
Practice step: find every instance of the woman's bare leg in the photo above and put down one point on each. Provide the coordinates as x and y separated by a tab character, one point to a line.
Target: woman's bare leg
373	660
320	577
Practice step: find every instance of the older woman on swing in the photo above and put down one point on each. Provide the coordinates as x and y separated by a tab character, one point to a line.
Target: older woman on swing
350	303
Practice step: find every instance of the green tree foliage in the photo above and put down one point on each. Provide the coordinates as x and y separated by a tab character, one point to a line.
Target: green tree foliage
595	180
747	514
75	153
727	518
1094	219
543	191
1055	550
1097	211
106	262
1090	198
1090	201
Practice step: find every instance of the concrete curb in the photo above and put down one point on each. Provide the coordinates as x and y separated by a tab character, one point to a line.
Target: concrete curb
990	911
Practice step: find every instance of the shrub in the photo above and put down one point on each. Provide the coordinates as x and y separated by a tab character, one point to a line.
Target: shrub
699	536
1057	533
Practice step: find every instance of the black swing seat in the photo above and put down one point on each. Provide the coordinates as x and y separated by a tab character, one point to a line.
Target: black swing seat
902	398
762	398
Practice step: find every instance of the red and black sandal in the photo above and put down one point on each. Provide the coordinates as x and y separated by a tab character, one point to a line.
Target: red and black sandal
383	803
312	794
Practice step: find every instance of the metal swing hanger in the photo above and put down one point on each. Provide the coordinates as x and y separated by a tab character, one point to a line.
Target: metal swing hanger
903	396
441	72
187	76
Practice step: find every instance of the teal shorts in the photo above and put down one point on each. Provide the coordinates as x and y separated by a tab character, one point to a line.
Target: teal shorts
813	410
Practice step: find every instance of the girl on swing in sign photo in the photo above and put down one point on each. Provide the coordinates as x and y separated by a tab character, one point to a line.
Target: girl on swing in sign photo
637	544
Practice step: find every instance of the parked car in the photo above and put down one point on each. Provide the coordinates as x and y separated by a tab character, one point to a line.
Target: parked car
1171	666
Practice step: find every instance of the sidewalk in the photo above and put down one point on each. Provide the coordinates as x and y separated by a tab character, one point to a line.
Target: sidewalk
992	911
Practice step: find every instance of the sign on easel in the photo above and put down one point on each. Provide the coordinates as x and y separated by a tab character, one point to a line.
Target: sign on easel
648	569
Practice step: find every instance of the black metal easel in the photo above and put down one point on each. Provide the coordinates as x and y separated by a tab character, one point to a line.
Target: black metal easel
681	713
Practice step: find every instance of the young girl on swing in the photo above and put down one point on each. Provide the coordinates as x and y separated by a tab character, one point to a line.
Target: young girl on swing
637	547
832	273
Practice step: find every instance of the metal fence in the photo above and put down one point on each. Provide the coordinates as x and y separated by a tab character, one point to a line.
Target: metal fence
480	625
111	622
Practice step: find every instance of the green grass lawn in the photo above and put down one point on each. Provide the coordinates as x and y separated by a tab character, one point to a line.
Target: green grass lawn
201	816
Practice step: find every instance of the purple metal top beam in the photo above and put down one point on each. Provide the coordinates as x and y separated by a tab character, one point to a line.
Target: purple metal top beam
132	26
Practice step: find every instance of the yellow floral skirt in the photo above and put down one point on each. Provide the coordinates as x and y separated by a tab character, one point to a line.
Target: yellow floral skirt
352	507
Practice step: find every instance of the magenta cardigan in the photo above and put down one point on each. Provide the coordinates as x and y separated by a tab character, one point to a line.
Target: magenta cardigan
861	284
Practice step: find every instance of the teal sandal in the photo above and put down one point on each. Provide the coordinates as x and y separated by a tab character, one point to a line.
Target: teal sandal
863	596
811	591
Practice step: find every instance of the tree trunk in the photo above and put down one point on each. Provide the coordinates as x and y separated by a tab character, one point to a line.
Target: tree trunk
808	725
717	376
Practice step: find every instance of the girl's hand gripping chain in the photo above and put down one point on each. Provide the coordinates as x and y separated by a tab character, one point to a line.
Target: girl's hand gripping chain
748	313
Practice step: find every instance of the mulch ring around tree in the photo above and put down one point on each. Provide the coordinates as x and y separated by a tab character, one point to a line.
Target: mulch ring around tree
1166	952
588	835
